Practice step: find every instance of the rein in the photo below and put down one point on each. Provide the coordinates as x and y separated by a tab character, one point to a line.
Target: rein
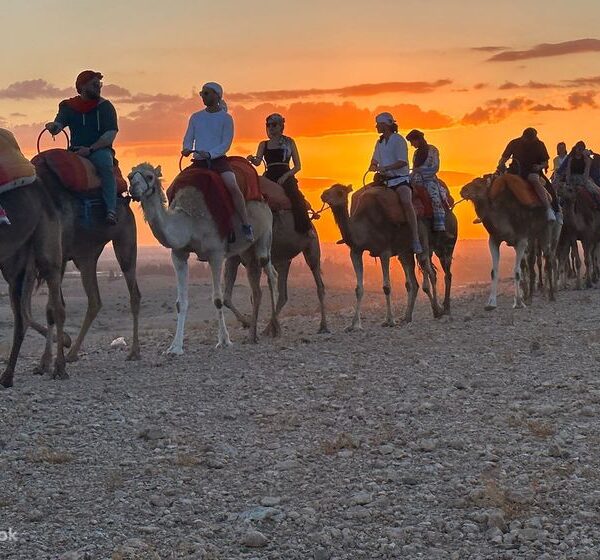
53	138
151	188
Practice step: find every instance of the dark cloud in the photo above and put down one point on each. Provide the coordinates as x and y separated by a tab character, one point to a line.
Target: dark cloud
496	110
582	99
583	82
34	89
489	49
546	107
548	49
528	85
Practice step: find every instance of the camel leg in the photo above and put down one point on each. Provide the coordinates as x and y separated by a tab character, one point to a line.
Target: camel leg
180	264
253	273
407	260
272	281
357	263
549	264
283	269
587	260
56	313
387	290
494	246
15	288
216	268
126	253
539	260
520	249
430	283
87	268
312	256
576	264
531	257
231	269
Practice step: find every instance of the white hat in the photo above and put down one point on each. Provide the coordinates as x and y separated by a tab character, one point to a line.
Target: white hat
385	118
218	89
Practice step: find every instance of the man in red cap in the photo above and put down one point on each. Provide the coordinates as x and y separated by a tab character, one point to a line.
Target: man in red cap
92	121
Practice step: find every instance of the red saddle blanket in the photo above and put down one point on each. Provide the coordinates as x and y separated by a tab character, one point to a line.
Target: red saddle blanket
389	201
76	173
522	190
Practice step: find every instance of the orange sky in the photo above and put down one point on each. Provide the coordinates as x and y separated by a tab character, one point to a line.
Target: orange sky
469	84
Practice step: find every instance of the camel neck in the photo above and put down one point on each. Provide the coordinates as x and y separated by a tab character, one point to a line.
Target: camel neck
342	219
165	225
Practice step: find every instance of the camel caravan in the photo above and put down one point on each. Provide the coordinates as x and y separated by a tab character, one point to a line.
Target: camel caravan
68	204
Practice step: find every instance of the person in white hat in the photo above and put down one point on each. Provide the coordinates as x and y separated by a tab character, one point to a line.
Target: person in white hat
390	161
209	136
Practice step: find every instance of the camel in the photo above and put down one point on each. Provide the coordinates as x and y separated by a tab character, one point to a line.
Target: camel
581	222
506	219
83	244
32	240
369	229
187	226
287	244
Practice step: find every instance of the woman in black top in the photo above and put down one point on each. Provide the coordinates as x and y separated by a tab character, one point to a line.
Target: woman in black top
578	170
277	152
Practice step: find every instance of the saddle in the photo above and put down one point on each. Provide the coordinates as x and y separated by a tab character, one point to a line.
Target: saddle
76	173
15	169
521	189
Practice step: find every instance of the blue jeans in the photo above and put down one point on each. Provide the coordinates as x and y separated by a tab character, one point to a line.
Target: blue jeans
103	162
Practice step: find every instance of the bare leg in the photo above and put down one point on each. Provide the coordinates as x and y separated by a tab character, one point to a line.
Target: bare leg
495	253
405	195
357	263
236	194
180	264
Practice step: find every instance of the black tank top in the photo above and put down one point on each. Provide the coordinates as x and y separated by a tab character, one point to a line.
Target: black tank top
577	166
277	162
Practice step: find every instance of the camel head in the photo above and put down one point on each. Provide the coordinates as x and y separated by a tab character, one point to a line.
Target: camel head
567	191
336	195
477	189
144	181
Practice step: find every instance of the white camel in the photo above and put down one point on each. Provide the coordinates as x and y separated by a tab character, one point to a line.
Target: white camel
188	227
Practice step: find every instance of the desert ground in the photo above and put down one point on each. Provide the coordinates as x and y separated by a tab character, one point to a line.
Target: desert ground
474	436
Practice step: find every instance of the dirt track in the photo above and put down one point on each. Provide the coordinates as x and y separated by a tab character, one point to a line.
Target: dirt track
474	436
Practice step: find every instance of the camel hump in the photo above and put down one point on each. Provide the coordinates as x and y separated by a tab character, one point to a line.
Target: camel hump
380	196
13	164
74	172
274	195
247	178
521	189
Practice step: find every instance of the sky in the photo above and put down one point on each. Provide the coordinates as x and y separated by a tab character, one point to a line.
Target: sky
470	74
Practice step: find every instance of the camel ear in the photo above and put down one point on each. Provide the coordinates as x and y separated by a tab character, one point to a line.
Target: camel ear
158	171
488	180
348	188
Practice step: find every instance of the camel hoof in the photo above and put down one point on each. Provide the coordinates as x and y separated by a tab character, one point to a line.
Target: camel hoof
60	373
519	305
174	351
323	330
253	339
41	369
133	356
490	307
352	328
224	344
70	358
390	323
6	381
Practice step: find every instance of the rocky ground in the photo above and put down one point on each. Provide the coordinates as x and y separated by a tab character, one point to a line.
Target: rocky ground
470	437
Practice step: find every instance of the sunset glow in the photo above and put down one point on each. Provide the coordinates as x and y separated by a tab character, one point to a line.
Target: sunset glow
472	79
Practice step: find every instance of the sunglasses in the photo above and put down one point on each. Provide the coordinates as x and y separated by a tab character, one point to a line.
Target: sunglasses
271	124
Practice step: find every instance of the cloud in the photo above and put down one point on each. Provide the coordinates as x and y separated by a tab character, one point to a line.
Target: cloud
546	107
33	89
582	99
480	85
548	49
528	85
579	82
496	110
489	49
360	90
18	115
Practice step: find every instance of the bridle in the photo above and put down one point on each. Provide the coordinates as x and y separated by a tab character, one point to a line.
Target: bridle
151	188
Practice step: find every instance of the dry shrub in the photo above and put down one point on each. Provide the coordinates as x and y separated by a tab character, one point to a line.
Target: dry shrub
342	441
46	455
186	460
495	496
541	429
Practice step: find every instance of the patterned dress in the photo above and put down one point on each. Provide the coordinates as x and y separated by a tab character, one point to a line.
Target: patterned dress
426	174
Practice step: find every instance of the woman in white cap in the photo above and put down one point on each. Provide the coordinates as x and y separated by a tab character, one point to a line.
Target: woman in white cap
390	161
209	136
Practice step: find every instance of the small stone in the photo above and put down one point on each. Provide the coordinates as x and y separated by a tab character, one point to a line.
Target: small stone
160	501
496	520
35	515
151	433
322	554
361	499
270	501
254	539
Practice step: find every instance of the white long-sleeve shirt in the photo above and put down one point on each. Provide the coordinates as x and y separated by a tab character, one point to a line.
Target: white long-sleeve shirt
209	132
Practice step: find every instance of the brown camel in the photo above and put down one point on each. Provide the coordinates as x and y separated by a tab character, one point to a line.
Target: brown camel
287	244
33	240
83	240
508	220
581	223
368	228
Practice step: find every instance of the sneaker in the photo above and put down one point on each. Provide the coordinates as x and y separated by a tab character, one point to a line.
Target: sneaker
3	217
477	221
248	232
550	215
111	218
416	247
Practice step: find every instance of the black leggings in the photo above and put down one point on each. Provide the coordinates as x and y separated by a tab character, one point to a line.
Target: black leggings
299	205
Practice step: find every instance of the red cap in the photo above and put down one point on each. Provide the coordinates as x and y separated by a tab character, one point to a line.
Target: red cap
84	77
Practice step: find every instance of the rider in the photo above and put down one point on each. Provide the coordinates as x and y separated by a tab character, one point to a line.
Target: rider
426	164
529	158
577	171
209	135
92	121
390	161
277	152
561	155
